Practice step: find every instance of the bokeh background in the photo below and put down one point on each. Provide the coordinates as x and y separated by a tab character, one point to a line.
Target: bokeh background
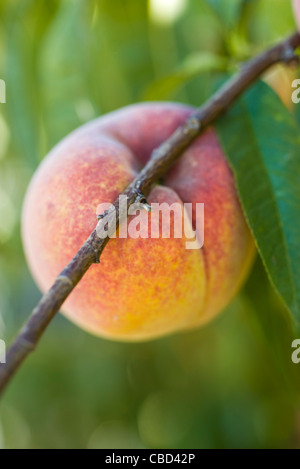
229	385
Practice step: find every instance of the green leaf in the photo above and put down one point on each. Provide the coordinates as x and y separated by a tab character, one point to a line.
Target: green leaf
192	66
63	71
228	11
262	142
22	91
267	316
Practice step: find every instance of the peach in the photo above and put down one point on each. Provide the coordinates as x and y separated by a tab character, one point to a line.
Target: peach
145	287
280	79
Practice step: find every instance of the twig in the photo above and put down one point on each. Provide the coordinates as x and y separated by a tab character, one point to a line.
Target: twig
161	161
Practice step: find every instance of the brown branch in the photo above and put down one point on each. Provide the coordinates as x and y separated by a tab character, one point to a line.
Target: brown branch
161	161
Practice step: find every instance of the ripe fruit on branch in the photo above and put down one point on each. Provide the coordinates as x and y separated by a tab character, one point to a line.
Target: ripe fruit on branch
281	78
144	287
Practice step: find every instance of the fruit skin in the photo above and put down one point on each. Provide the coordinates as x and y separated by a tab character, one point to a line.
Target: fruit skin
143	288
280	79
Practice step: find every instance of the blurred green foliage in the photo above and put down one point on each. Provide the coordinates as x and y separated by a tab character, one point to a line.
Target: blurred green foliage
229	385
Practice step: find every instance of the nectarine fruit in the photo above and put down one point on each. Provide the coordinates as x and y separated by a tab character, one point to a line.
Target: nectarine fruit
280	79
143	288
